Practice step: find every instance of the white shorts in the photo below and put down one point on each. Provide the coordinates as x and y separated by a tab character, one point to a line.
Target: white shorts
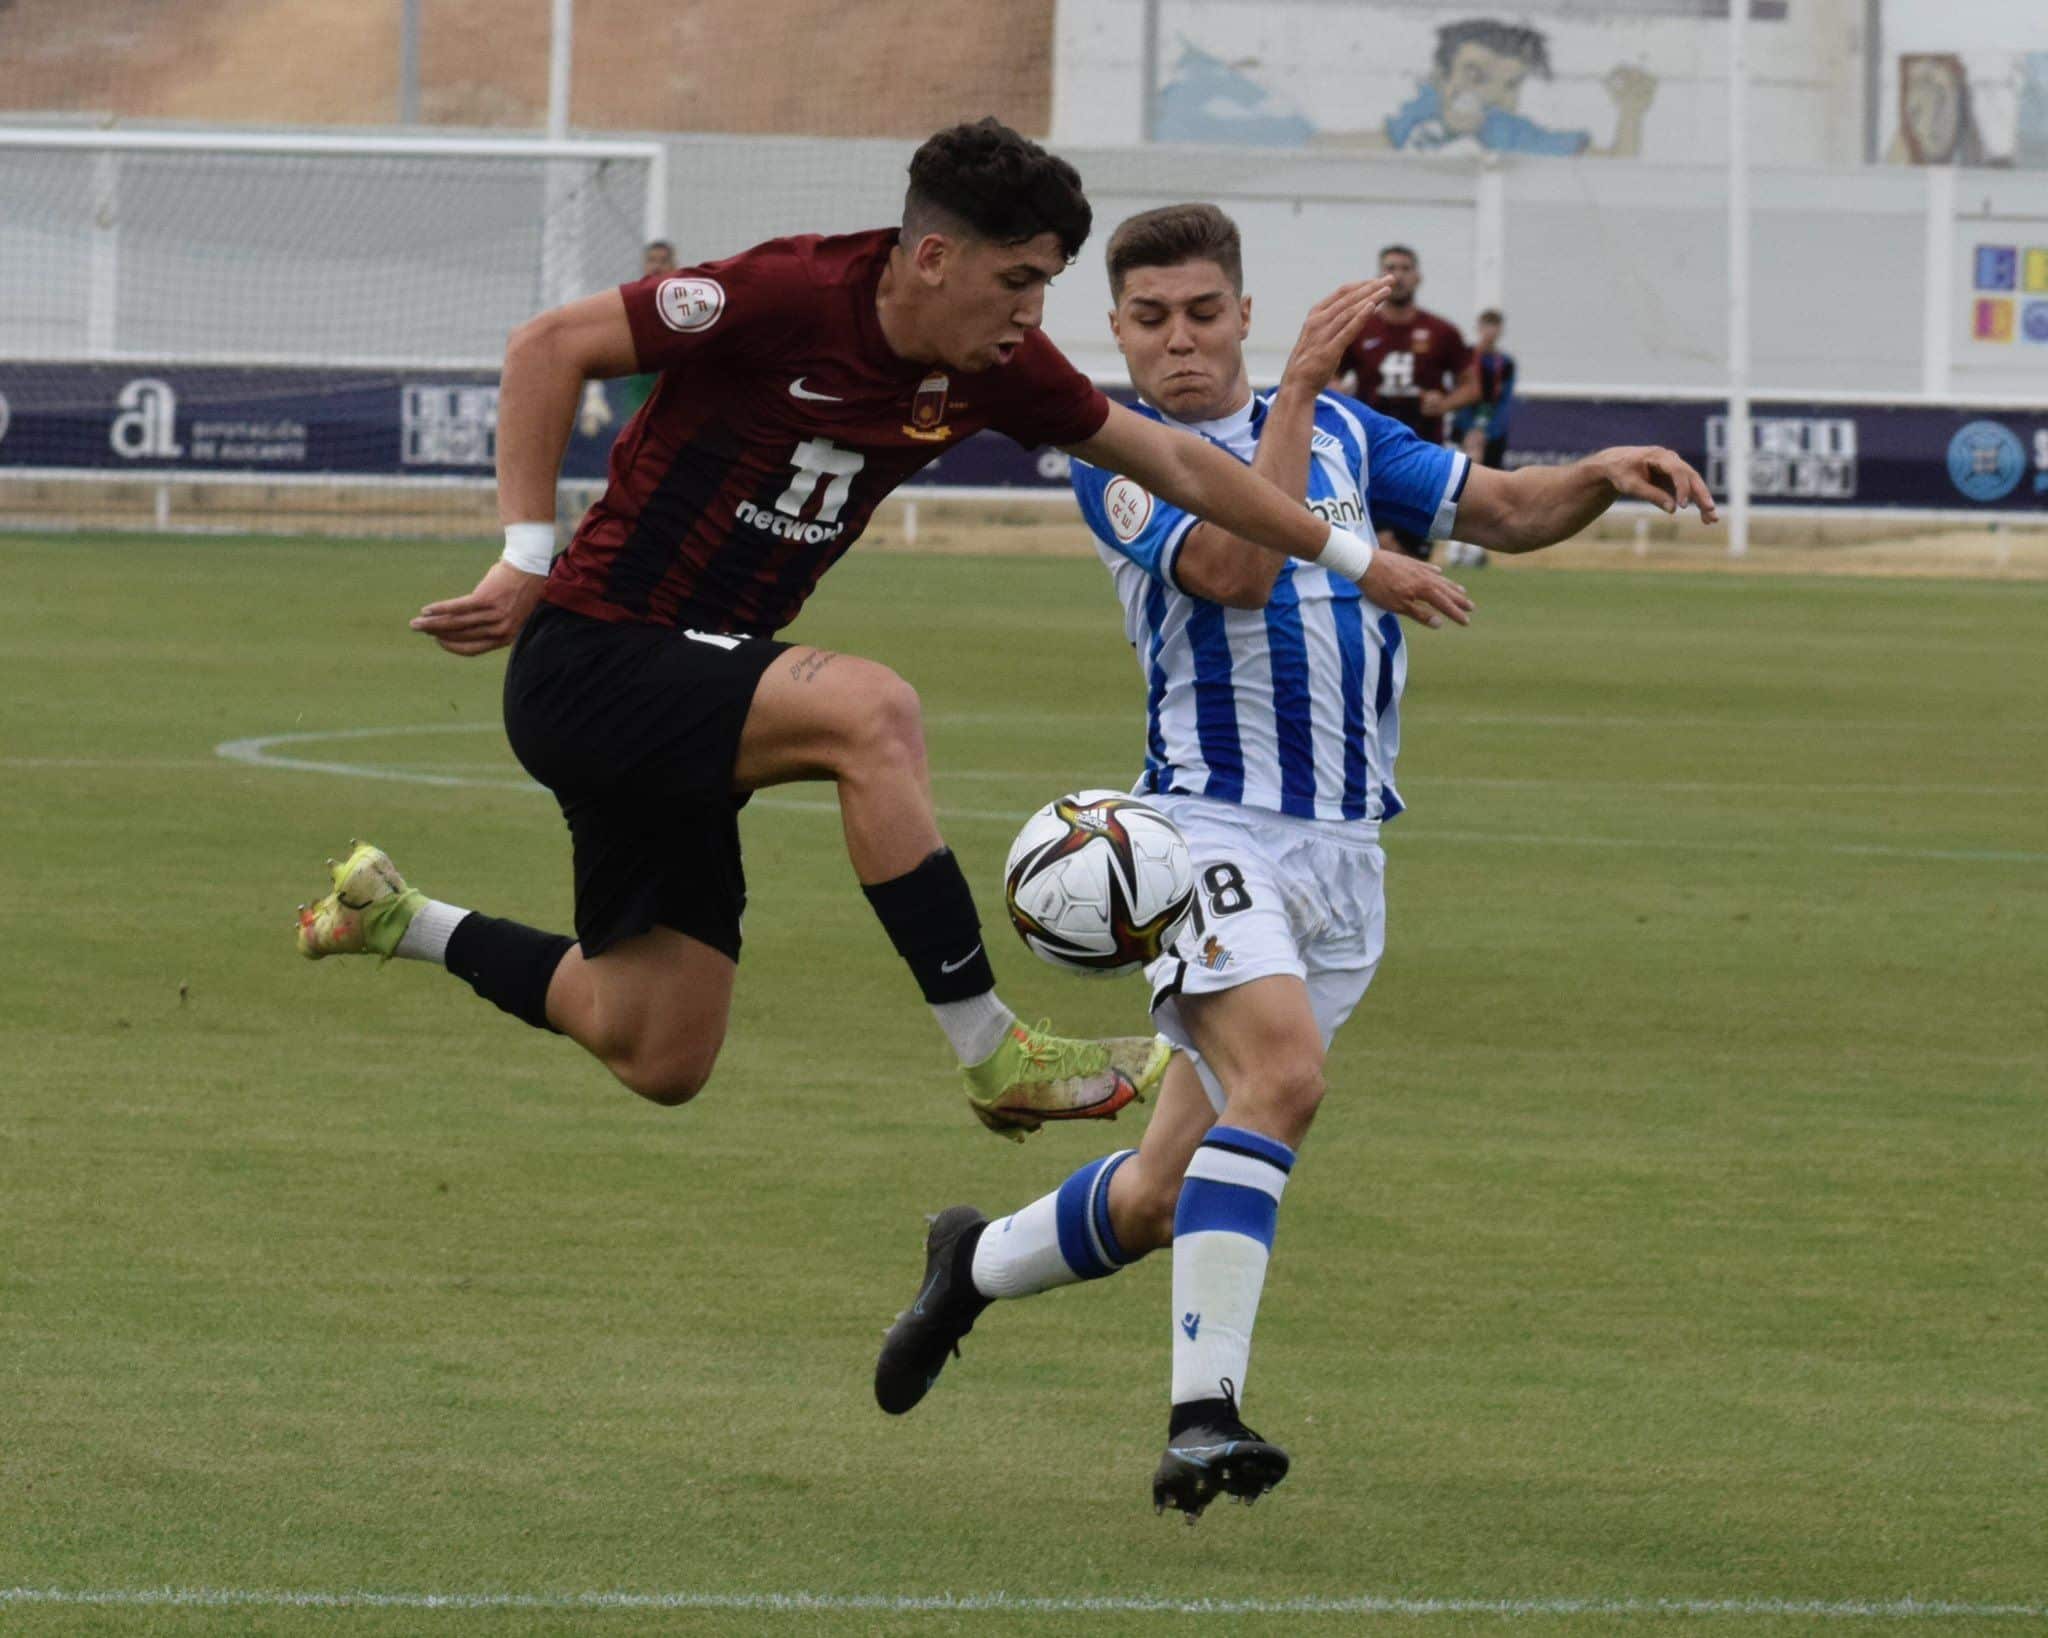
1273	894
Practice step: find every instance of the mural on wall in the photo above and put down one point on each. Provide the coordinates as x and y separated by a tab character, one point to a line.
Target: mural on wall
1469	101
1211	101
1971	108
1472	94
1936	126
2030	145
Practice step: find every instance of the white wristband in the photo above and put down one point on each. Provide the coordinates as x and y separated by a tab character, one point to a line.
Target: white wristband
530	546
1346	554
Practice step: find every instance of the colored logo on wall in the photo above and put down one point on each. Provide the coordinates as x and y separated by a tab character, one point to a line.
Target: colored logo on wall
1986	461
1999	319
1997	267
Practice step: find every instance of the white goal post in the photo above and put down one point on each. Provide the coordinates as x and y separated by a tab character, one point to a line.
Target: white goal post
290	332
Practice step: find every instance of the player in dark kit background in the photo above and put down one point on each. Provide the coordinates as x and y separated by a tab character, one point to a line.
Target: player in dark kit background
1482	427
1408	363
800	382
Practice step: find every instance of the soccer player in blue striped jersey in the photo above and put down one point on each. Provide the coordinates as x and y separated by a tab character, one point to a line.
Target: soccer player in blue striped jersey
1272	723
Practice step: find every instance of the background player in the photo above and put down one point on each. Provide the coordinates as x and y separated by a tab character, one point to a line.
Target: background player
1481	428
1410	364
1272	722
800	383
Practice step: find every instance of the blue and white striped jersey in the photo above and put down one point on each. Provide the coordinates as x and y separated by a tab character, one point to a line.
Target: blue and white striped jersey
1295	707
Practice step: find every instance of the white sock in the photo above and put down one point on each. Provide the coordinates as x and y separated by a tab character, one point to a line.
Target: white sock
426	936
1222	1238
1059	1238
975	1026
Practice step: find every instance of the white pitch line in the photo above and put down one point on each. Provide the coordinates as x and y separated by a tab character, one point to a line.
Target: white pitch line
258	752
106	762
1889	726
448	772
1900	1609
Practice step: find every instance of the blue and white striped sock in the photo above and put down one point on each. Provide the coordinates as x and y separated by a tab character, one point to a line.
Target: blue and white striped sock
1222	1237
1059	1238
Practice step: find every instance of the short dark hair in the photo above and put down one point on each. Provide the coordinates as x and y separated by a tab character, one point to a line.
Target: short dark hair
1492	316
1399	250
1001	186
658	244
1171	235
1526	45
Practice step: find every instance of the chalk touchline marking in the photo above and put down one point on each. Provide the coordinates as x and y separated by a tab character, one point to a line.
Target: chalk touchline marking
259	751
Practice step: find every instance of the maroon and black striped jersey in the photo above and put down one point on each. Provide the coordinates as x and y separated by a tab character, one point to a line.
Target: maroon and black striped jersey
780	421
1398	361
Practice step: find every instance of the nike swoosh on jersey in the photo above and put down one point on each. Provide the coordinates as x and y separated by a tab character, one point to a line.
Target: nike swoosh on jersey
796	390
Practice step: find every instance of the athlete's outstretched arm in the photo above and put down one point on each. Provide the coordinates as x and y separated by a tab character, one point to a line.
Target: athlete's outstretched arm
1537	506
1198	477
1216	564
547	360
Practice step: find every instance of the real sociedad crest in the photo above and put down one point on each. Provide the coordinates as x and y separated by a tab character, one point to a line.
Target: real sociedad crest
928	410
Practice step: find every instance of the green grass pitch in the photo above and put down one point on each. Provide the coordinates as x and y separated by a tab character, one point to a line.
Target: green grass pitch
1673	1229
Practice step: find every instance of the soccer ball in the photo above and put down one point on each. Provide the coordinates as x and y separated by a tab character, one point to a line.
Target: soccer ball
1099	883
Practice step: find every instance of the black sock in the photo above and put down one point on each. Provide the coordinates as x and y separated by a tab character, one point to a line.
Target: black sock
1200	1413
508	964
929	916
968	1299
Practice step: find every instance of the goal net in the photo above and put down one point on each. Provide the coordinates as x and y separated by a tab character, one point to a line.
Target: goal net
320	318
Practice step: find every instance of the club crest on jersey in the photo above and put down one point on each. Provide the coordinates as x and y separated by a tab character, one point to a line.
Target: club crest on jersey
1420	340
689	305
928	410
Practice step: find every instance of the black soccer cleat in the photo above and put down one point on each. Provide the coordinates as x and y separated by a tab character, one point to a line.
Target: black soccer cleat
1215	1455
915	1348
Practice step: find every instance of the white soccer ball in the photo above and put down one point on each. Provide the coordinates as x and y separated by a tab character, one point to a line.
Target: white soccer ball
1099	883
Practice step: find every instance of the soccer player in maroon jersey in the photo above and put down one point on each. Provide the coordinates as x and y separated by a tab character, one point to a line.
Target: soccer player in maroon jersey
801	381
1411	364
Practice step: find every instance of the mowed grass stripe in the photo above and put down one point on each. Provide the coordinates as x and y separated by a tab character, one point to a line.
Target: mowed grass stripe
798	1603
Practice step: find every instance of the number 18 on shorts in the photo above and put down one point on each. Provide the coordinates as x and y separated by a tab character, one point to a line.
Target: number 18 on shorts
1274	895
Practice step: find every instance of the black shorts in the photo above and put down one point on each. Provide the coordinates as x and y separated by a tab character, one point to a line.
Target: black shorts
1414	545
636	728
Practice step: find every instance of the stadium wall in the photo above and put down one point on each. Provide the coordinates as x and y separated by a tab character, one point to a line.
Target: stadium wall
1612	274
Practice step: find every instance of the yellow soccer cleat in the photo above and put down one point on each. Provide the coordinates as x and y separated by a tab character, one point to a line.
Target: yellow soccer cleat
1036	1076
366	914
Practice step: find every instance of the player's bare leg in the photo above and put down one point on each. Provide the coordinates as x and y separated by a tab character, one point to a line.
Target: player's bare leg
1058	1239
1261	1042
817	715
652	1008
1143	1194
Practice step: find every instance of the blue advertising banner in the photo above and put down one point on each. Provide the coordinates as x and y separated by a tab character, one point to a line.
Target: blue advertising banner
253	423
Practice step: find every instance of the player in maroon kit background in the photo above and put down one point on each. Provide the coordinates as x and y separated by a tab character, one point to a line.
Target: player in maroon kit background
801	381
1408	363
